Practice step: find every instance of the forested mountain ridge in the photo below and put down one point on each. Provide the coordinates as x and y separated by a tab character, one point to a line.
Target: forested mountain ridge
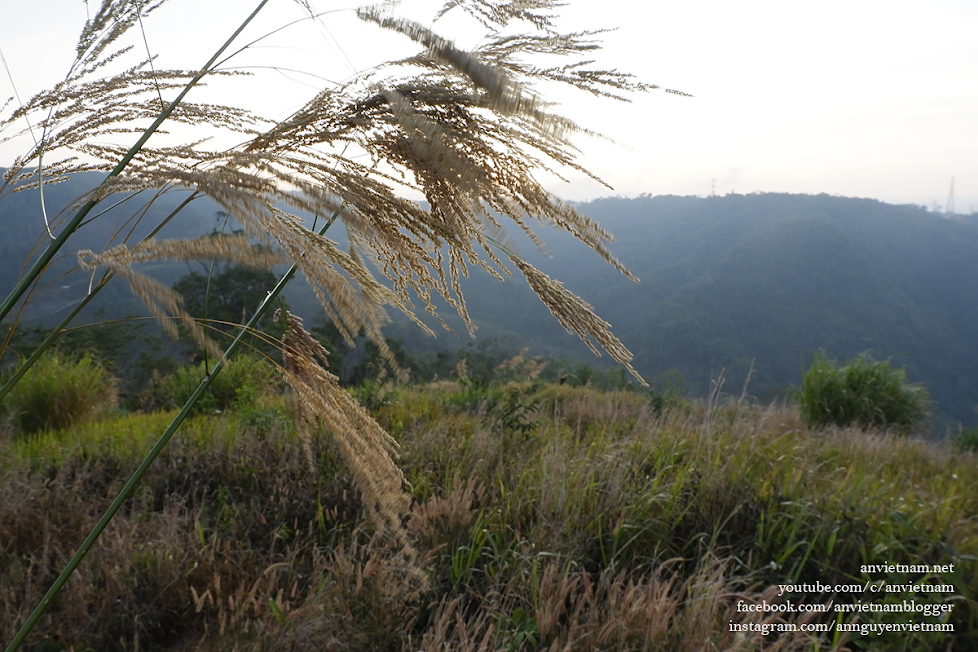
726	282
768	279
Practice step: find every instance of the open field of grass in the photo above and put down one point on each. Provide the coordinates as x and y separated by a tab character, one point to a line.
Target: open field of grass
545	517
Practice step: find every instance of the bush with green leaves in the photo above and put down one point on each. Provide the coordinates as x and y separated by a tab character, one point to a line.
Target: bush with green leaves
59	391
866	393
966	439
241	383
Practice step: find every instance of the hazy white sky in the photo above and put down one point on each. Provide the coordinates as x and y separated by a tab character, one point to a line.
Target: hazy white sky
863	98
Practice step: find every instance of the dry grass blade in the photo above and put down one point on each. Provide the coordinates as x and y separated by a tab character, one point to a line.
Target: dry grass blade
367	450
576	316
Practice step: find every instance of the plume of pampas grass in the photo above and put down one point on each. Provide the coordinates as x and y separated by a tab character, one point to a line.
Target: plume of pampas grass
366	448
466	129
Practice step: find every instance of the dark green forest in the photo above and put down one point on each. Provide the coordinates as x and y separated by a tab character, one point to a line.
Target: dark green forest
729	285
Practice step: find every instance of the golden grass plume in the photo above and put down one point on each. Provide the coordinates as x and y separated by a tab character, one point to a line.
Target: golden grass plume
367	450
466	129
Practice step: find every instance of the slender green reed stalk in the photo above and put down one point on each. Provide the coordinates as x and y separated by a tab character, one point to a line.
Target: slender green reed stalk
35	271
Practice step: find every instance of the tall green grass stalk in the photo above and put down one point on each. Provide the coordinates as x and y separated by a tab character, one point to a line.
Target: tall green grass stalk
161	443
35	272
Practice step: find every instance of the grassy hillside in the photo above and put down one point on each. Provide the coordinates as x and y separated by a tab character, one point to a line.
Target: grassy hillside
545	518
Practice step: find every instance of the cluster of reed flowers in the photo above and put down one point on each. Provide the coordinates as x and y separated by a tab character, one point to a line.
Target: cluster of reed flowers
367	449
466	129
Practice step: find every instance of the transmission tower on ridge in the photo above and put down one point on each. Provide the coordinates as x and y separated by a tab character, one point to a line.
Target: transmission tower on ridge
949	208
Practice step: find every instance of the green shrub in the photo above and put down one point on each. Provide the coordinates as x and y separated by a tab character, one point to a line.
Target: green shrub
373	394
58	392
864	393
966	439
510	409
240	383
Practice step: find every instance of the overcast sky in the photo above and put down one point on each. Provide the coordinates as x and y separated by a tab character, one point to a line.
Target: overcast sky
861	98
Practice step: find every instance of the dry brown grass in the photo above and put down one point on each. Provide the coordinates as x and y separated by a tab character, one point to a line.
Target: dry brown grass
609	526
573	610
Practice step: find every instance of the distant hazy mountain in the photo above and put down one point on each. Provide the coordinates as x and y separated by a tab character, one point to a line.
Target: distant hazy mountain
768	279
725	282
22	223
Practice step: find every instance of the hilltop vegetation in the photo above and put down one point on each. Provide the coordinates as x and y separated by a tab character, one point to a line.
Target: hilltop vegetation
520	515
545	517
